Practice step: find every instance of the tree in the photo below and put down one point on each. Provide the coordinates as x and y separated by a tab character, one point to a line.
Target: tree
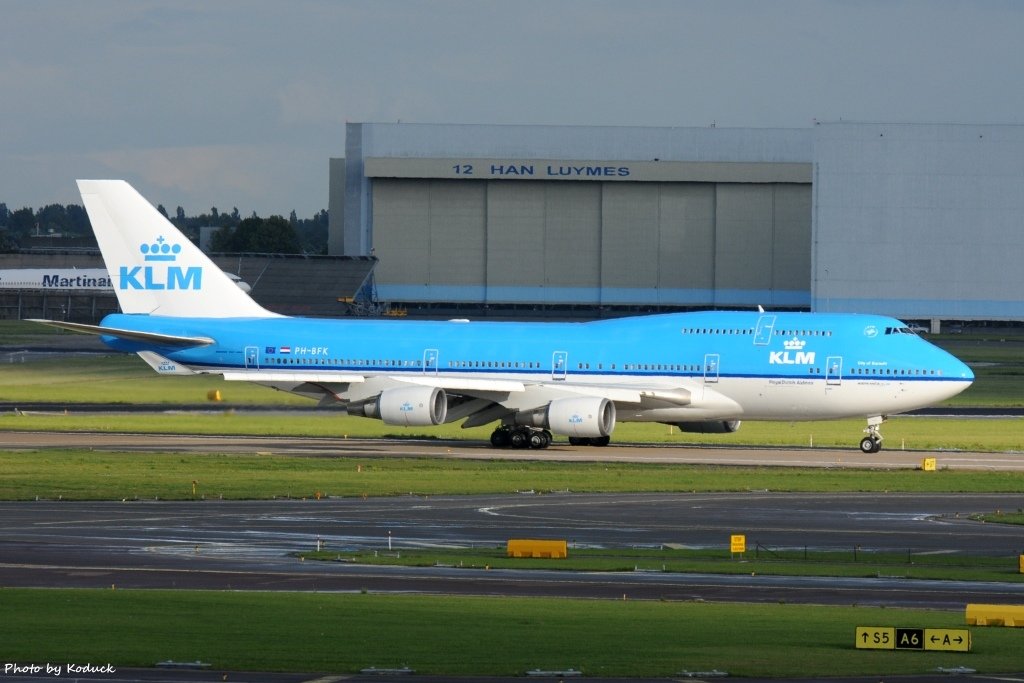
163	211
254	234
78	220
52	218
313	233
272	235
22	222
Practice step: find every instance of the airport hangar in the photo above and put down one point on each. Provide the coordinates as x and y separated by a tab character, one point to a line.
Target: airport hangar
918	221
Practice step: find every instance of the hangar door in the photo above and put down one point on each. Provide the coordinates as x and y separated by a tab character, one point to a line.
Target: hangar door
591	243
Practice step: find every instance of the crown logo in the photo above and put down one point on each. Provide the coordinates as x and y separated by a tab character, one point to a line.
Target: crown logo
160	250
794	344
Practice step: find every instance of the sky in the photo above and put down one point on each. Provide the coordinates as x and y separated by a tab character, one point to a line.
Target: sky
238	103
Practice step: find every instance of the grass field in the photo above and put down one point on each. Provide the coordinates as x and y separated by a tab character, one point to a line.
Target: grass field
94	475
855	563
483	636
121	378
901	433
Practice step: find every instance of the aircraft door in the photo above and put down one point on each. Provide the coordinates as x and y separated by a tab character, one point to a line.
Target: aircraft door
834	370
252	357
430	357
559	364
763	332
710	368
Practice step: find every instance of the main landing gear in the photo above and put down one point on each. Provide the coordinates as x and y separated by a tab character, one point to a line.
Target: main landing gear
872	443
520	437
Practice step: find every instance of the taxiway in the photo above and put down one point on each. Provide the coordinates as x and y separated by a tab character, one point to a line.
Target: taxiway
638	453
251	545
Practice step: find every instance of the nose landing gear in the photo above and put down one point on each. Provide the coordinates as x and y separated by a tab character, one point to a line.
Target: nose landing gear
872	443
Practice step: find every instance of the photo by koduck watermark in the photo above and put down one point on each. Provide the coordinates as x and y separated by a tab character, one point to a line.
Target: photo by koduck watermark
58	669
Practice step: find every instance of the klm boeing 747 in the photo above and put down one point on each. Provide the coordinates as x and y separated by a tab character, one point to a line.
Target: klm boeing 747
702	372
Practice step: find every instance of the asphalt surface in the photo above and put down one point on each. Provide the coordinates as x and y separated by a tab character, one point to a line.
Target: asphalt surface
251	545
888	458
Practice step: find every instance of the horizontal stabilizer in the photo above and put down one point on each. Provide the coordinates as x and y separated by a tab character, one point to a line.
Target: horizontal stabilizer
165	366
131	335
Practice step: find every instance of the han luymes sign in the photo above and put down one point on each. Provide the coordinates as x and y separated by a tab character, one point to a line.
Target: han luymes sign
654	170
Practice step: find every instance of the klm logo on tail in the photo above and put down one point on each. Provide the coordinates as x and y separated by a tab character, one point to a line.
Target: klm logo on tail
160	277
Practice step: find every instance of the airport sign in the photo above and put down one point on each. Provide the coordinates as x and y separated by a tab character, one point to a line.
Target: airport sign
737	543
891	638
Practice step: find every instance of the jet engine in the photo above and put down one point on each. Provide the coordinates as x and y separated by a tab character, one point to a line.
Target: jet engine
410	406
582	417
714	427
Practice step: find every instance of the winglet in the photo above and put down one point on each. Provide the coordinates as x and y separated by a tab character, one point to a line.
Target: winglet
154	268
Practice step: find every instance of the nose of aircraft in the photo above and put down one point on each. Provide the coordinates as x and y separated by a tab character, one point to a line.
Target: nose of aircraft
958	371
954	368
965	372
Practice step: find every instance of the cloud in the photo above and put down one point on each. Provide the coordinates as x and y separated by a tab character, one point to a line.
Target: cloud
193	169
266	178
311	101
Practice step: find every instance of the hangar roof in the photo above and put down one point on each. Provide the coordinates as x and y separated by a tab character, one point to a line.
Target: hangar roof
611	143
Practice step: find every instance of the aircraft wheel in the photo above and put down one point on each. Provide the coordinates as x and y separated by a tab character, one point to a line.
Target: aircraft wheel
577	441
601	441
870	445
518	439
500	438
537	441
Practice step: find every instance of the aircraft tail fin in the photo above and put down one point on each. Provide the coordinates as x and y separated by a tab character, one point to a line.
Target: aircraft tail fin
154	268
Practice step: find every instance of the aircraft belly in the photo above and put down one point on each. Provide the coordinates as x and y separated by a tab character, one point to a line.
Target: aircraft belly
806	399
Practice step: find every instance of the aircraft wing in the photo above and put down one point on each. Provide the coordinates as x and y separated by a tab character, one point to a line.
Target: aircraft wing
466	385
626	394
273	376
487	388
513	394
476	400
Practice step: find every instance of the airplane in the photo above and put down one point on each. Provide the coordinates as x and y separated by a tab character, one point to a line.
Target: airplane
703	372
77	279
71	279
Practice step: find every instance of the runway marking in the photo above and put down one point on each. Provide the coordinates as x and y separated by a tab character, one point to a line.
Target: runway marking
327	679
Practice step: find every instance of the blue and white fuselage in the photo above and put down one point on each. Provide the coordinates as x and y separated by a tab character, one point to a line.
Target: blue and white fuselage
701	371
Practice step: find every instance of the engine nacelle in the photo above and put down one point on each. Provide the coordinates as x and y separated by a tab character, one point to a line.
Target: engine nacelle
585	417
410	406
715	427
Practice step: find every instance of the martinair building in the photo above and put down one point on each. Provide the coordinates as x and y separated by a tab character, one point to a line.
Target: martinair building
922	222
